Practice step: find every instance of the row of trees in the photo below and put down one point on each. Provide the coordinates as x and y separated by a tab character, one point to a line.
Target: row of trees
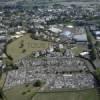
91	44
98	72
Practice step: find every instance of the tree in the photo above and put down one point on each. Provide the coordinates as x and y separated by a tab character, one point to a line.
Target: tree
91	44
97	72
22	44
24	50
8	62
93	53
38	83
97	44
2	96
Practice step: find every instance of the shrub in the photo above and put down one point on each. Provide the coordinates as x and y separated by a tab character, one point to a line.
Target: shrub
38	83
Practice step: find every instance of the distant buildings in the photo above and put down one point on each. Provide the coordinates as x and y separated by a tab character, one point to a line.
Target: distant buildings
54	25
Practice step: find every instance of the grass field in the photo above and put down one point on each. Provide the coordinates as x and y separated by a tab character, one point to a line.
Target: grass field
21	92
24	92
24	46
84	95
77	50
2	79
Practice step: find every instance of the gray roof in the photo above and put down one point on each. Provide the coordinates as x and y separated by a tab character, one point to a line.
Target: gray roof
3	37
81	37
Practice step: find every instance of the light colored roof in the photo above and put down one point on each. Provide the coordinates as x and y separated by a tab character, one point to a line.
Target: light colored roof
67	75
98	38
81	37
23	31
70	26
97	32
66	33
18	33
55	30
1	12
2	37
84	53
16	36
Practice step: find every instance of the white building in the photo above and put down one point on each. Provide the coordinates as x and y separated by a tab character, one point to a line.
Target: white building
55	30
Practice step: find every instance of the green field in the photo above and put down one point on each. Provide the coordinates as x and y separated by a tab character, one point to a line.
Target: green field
77	50
83	95
2	80
25	46
21	92
30	92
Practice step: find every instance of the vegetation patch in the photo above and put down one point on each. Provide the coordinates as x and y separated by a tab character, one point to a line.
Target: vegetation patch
2	79
77	50
21	92
80	95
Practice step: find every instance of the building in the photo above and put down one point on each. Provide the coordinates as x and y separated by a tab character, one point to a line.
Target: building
55	30
67	34
3	38
80	38
97	34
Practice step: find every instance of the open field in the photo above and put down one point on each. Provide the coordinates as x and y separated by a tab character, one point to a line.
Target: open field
80	95
25	46
21	92
2	79
24	92
78	49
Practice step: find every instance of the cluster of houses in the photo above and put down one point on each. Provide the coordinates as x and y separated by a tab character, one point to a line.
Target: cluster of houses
95	30
58	66
57	72
13	23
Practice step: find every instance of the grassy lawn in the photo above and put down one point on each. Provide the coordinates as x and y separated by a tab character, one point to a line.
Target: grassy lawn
21	92
25	46
84	95
2	79
77	50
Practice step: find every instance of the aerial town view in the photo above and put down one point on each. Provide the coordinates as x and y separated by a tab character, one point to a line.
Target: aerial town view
49	49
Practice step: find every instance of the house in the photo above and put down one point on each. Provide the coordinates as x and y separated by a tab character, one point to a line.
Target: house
3	31
55	30
18	33
84	53
23	31
67	34
16	36
3	38
51	49
97	34
94	27
61	46
70	26
37	54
